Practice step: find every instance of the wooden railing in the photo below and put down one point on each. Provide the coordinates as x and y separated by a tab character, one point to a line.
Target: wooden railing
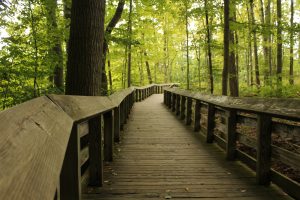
54	146
221	119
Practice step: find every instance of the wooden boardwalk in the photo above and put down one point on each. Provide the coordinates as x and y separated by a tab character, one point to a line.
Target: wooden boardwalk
160	158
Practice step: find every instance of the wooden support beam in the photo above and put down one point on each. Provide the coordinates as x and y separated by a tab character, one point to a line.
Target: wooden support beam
95	152
189	103
70	176
174	102
230	122
197	115
182	107
177	104
108	136
263	165
210	123
117	124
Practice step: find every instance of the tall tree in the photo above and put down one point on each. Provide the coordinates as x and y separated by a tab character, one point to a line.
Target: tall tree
254	29
208	35
108	31
55	50
187	46
291	79
226	47
129	45
85	46
279	45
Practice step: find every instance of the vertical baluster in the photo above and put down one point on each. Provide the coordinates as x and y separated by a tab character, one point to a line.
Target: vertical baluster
197	115
188	120
210	123
108	136
263	164
230	122
182	107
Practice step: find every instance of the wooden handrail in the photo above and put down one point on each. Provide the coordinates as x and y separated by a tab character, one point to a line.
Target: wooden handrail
52	146
267	113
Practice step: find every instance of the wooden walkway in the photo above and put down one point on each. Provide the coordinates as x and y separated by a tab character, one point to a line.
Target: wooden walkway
160	158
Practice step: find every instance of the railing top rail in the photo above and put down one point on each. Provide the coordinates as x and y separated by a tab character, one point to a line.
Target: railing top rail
80	108
33	140
277	107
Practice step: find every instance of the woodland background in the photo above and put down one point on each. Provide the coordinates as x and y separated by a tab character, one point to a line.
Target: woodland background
160	41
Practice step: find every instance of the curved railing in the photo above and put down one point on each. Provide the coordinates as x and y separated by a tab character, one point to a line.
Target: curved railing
54	146
223	119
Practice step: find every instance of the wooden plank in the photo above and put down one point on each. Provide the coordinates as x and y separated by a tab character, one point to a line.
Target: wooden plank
81	108
96	152
188	120
33	141
210	123
182	107
83	129
108	136
197	115
231	134
264	131
117	127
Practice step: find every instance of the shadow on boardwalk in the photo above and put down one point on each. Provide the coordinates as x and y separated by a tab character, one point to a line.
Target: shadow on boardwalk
161	158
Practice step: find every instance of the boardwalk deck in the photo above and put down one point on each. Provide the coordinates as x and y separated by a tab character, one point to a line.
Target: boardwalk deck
161	158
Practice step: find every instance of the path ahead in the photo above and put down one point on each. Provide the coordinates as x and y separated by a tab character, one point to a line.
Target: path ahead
160	158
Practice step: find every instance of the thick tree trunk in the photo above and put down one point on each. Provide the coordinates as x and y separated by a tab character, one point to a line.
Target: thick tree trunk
279	45
187	47
210	67
269	39
129	46
85	46
232	69
113	22
257	80
148	68
109	73
226	47
291	79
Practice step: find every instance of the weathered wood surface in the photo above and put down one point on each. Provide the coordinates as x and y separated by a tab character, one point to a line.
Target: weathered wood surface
33	141
160	158
81	108
277	107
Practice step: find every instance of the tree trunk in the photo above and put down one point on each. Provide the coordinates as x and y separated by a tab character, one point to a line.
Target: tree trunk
226	47
232	72
257	80
56	51
279	45
85	46
210	67
269	39
187	47
292	45
148	68
265	41
113	22
166	51
109	73
129	45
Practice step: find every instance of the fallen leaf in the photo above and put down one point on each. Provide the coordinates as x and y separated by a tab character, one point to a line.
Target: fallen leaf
168	197
243	190
187	189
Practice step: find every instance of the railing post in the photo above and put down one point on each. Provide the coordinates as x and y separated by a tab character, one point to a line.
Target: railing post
188	120
70	176
182	108
136	96
263	164
117	123
197	115
108	136
169	99
230	120
140	95
95	152
177	104
210	123
174	100
122	114
165	98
